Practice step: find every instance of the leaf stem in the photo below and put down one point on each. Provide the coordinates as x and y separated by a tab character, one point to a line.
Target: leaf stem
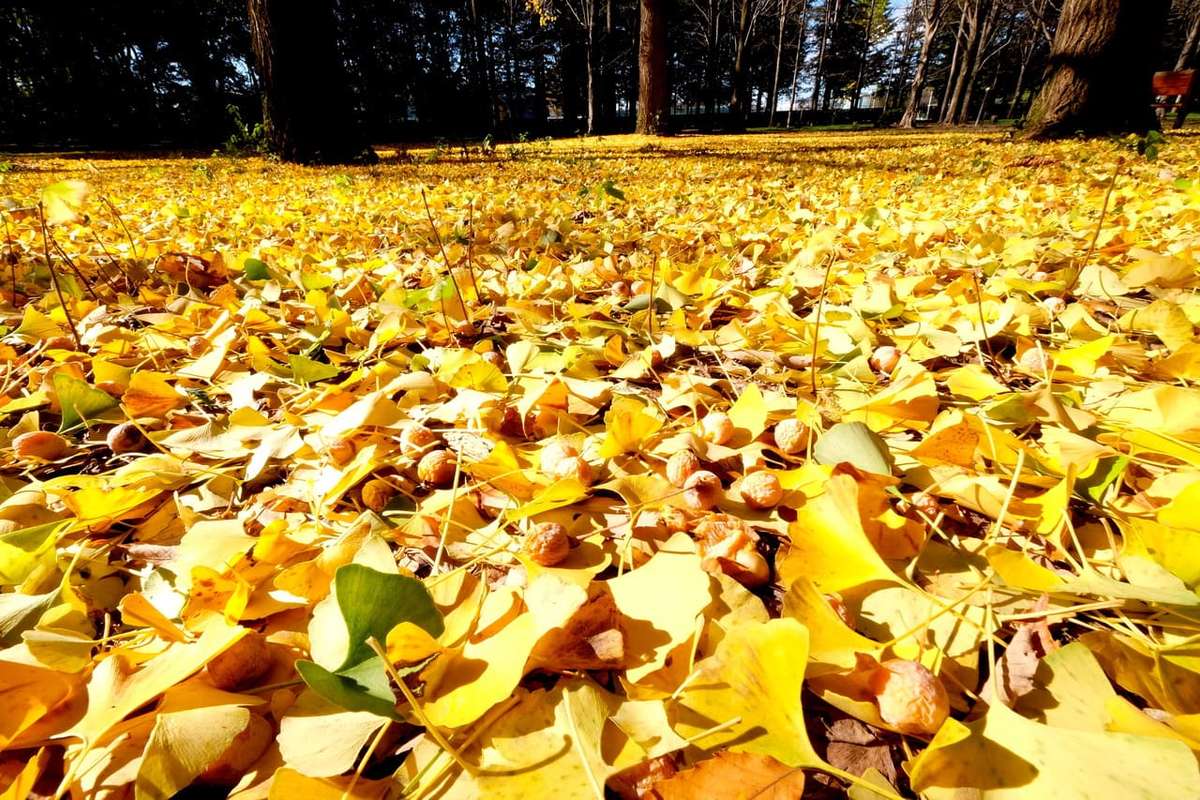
817	328
446	258
1087	257
436	735
54	277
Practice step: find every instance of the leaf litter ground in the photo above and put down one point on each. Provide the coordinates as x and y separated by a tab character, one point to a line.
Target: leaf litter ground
742	466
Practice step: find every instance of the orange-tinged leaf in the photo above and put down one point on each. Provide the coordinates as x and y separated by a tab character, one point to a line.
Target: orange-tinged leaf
149	395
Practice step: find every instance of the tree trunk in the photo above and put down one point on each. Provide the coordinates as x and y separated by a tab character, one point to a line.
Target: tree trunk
1187	53
306	110
589	49
952	72
799	56
933	20
712	54
973	18
1101	64
652	111
862	57
774	98
1016	97
737	98
831	13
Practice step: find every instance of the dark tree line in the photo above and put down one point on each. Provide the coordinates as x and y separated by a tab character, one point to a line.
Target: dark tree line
336	74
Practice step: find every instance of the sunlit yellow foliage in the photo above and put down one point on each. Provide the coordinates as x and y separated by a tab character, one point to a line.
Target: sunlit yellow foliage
349	397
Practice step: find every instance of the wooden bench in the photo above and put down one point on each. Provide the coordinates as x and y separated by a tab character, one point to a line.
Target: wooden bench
1173	90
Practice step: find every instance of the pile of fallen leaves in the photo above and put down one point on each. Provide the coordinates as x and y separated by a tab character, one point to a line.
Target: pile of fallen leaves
714	467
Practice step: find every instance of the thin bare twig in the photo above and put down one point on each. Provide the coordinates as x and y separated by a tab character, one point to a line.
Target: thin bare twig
446	258
817	328
471	251
982	322
121	222
11	256
63	255
54	277
1112	182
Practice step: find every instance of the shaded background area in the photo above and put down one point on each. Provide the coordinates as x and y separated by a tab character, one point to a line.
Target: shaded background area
178	73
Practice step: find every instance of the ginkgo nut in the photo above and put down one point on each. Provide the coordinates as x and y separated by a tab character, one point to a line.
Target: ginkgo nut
44	445
243	664
573	467
761	490
415	439
1033	360
437	468
885	359
376	494
547	544
681	466
717	427
342	451
702	490
556	451
791	436
126	438
910	697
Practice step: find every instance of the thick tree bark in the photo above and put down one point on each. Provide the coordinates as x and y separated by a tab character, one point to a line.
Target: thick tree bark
1101	64
933	20
306	110
1187	53
652	111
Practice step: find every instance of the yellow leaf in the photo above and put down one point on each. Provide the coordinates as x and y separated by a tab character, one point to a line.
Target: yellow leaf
1004	755
464	369
1018	569
628	423
149	395
1124	717
408	643
464	683
1082	359
974	382
746	696
62	201
829	545
289	784
136	610
118	687
661	620
1163	319
1184	509
22	784
562	492
749	413
951	439
27	693
183	744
